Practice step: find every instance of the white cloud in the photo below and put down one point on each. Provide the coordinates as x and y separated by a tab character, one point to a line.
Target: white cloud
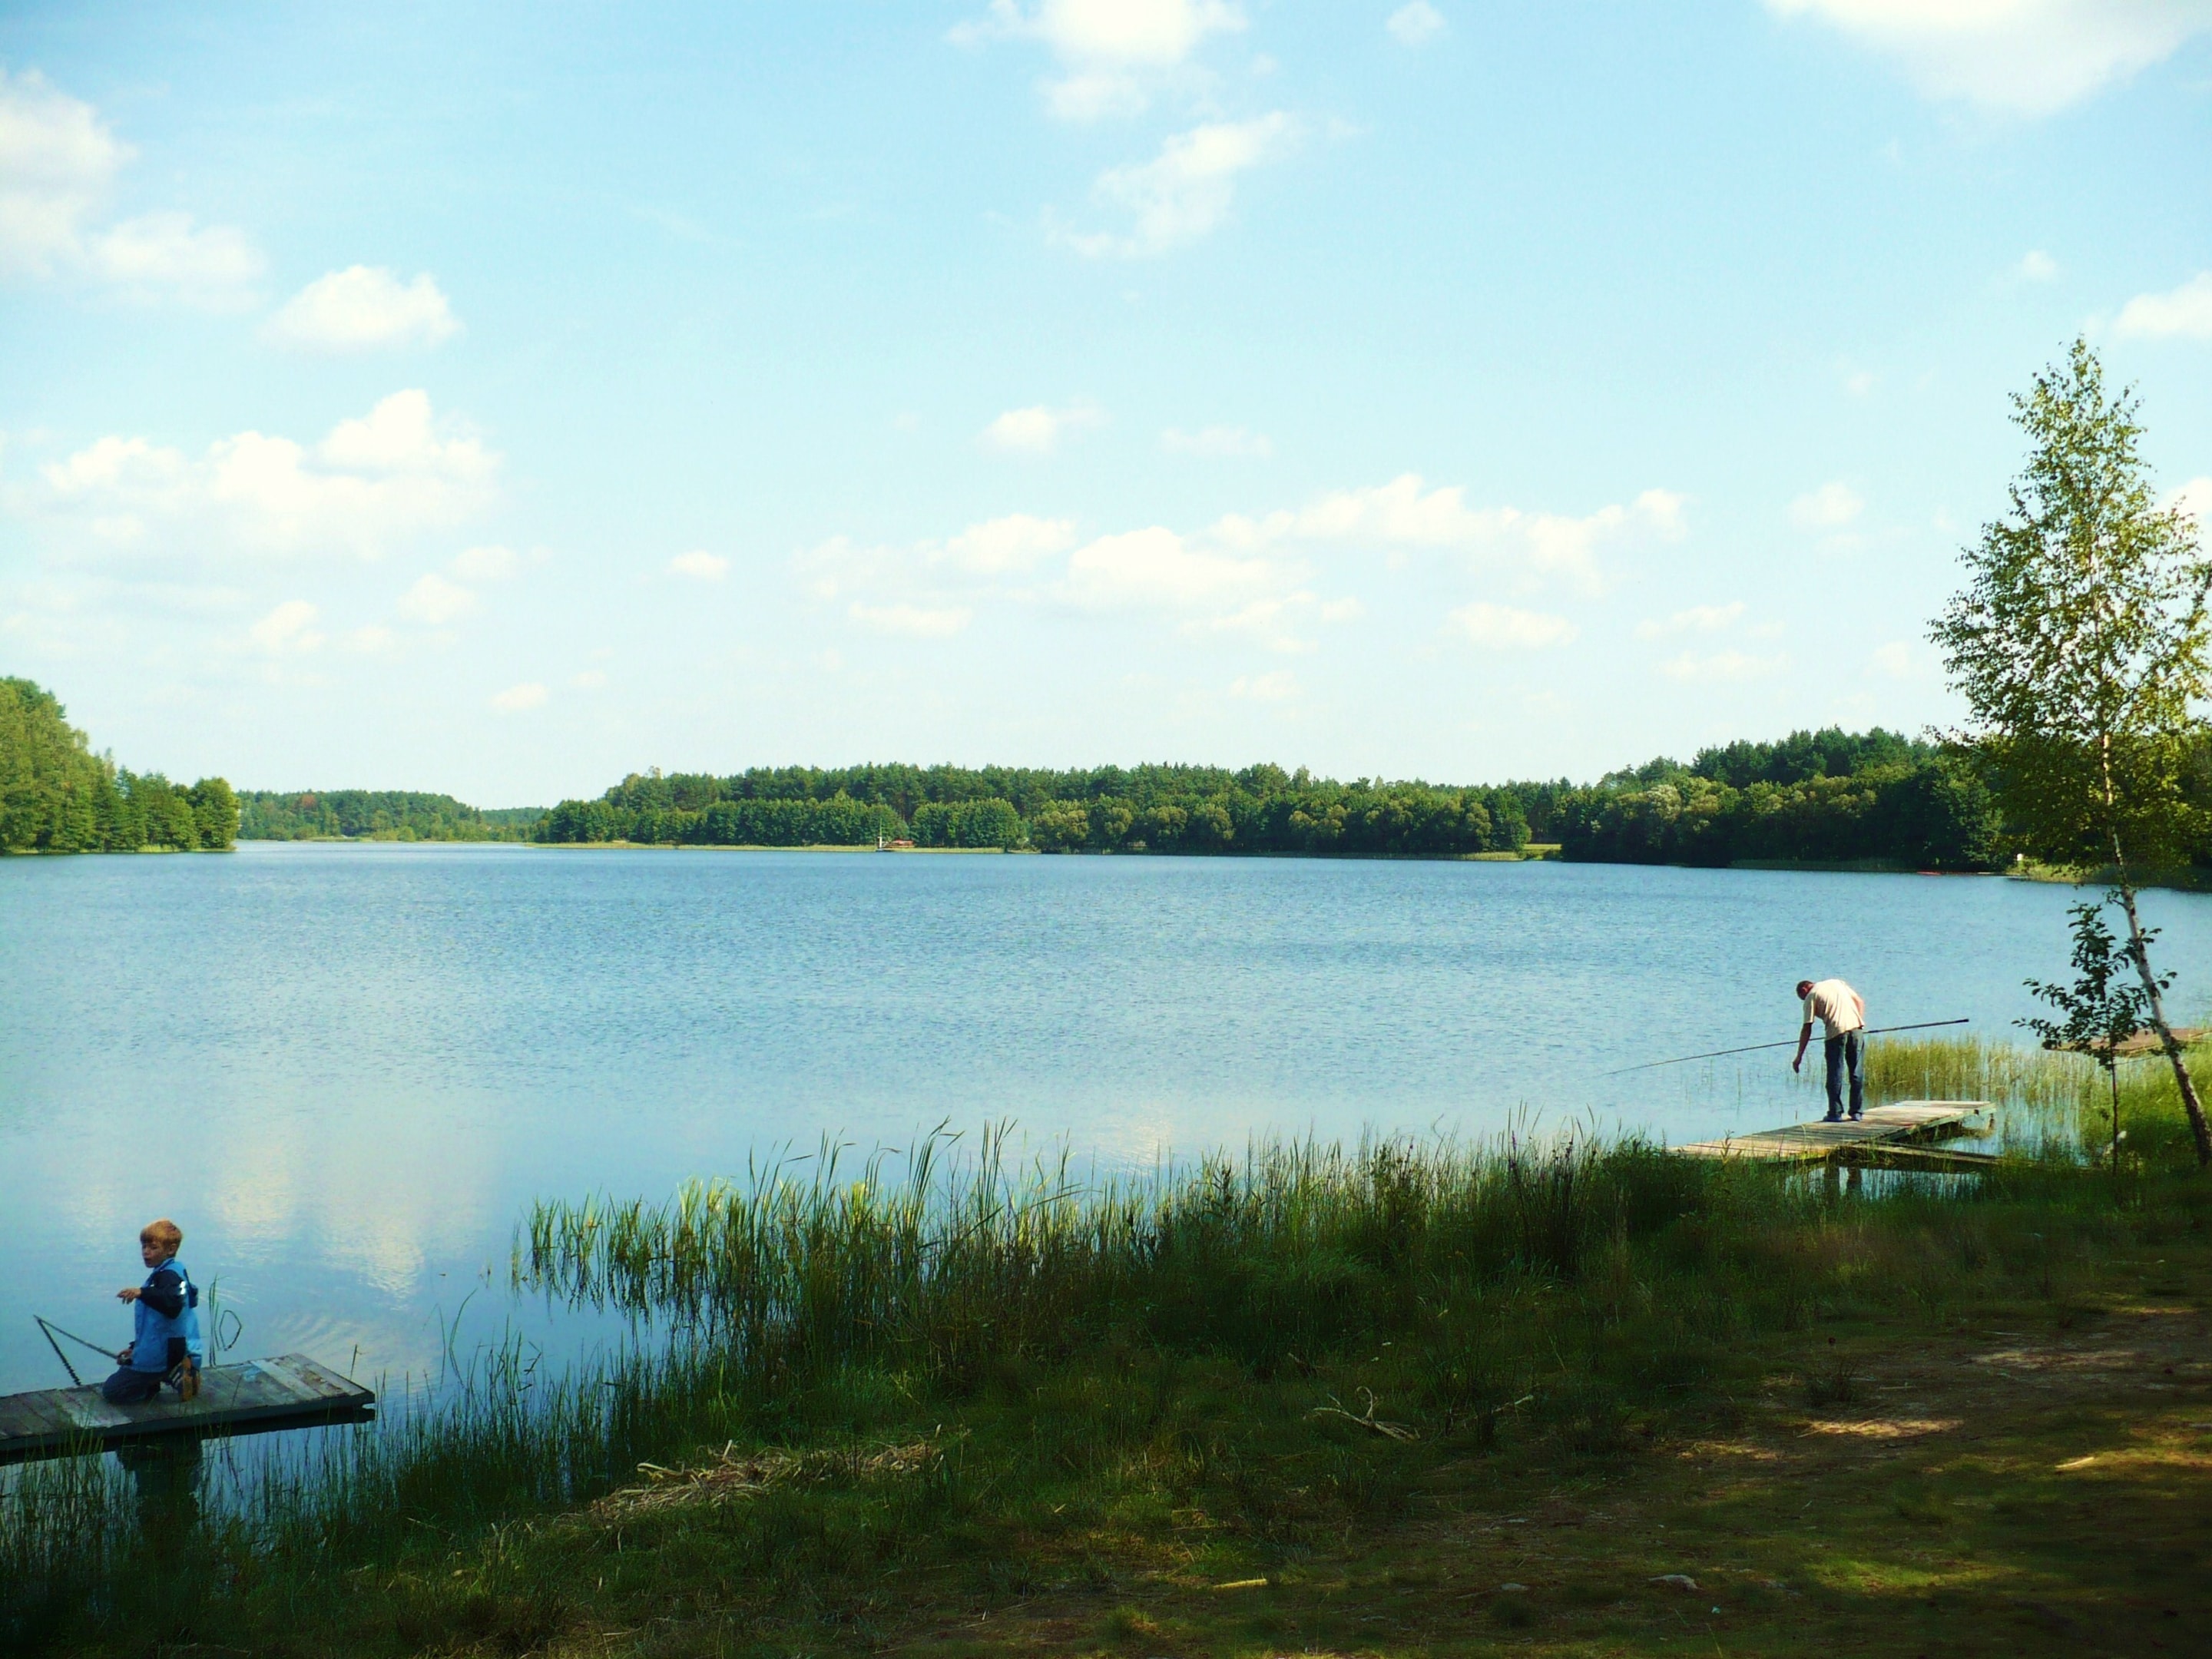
2194	498
1406	513
1860	381
1187	189
916	622
1216	441
589	679
1265	688
58	158
129	466
433	601
1501	628
1697	619
1113	52
399	435
2185	311
516	698
380	478
486	564
1002	546
840	566
289	628
1897	660
1156	33
993	547
1157	566
1273	620
167	251
1238	575
58	163
2024	56
1037	429
1415	25
2037	266
1829	508
1721	665
363	308
699	565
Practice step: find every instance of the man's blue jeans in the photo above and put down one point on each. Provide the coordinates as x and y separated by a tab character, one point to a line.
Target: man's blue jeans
1847	1050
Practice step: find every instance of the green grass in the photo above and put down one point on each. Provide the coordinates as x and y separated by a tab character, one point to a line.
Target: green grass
895	1410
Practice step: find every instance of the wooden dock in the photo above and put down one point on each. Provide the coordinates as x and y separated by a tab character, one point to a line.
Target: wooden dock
2142	1042
261	1393
1884	1138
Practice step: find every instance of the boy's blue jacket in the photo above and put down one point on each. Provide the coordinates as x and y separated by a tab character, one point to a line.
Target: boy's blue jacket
155	1330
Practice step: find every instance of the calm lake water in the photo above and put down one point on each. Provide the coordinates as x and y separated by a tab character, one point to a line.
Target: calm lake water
345	1071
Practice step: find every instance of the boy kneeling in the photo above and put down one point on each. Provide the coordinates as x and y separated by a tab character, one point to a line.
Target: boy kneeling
165	1343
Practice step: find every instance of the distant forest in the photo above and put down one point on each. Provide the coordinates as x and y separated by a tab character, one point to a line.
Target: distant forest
1817	797
58	796
376	815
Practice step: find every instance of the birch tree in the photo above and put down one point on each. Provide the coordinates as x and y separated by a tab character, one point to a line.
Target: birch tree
2080	645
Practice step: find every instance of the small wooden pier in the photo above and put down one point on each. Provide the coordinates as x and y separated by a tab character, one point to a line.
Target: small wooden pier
288	1392
1891	1137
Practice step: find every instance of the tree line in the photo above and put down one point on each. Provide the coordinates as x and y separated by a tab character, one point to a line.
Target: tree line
376	815
1162	809
58	796
1817	796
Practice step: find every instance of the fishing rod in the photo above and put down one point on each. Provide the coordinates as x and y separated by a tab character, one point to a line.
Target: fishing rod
1791	1043
48	1329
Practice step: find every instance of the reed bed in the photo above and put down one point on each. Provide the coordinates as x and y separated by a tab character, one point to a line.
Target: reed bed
2055	1106
2020	1079
1563	1290
1289	1247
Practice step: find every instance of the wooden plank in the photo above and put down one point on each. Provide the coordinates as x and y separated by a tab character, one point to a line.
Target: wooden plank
291	1389
327	1385
85	1409
345	1386
29	1415
276	1383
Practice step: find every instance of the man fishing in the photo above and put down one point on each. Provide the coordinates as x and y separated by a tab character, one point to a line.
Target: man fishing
1841	1013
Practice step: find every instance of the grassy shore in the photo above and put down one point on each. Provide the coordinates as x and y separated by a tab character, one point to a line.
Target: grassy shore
1400	1399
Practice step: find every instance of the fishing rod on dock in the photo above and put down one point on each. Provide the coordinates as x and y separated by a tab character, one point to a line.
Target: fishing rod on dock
1790	1042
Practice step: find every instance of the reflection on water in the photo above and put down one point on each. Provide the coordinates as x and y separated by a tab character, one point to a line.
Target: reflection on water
347	1070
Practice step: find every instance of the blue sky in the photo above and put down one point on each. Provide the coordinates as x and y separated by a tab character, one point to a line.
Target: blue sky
500	400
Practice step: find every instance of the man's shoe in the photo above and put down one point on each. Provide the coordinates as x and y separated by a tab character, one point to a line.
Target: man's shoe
1858	1117
1834	1117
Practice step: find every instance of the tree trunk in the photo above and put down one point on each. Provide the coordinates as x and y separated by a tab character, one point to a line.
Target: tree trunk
2140	953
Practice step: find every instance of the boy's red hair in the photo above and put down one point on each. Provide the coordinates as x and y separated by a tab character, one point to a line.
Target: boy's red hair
164	1232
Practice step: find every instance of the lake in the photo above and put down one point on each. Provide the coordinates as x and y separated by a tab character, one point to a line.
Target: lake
345	1070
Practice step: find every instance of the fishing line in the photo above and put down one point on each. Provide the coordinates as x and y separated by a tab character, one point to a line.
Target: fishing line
1790	1042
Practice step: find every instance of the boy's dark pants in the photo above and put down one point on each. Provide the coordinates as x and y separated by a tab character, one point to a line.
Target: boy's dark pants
1849	1048
130	1388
